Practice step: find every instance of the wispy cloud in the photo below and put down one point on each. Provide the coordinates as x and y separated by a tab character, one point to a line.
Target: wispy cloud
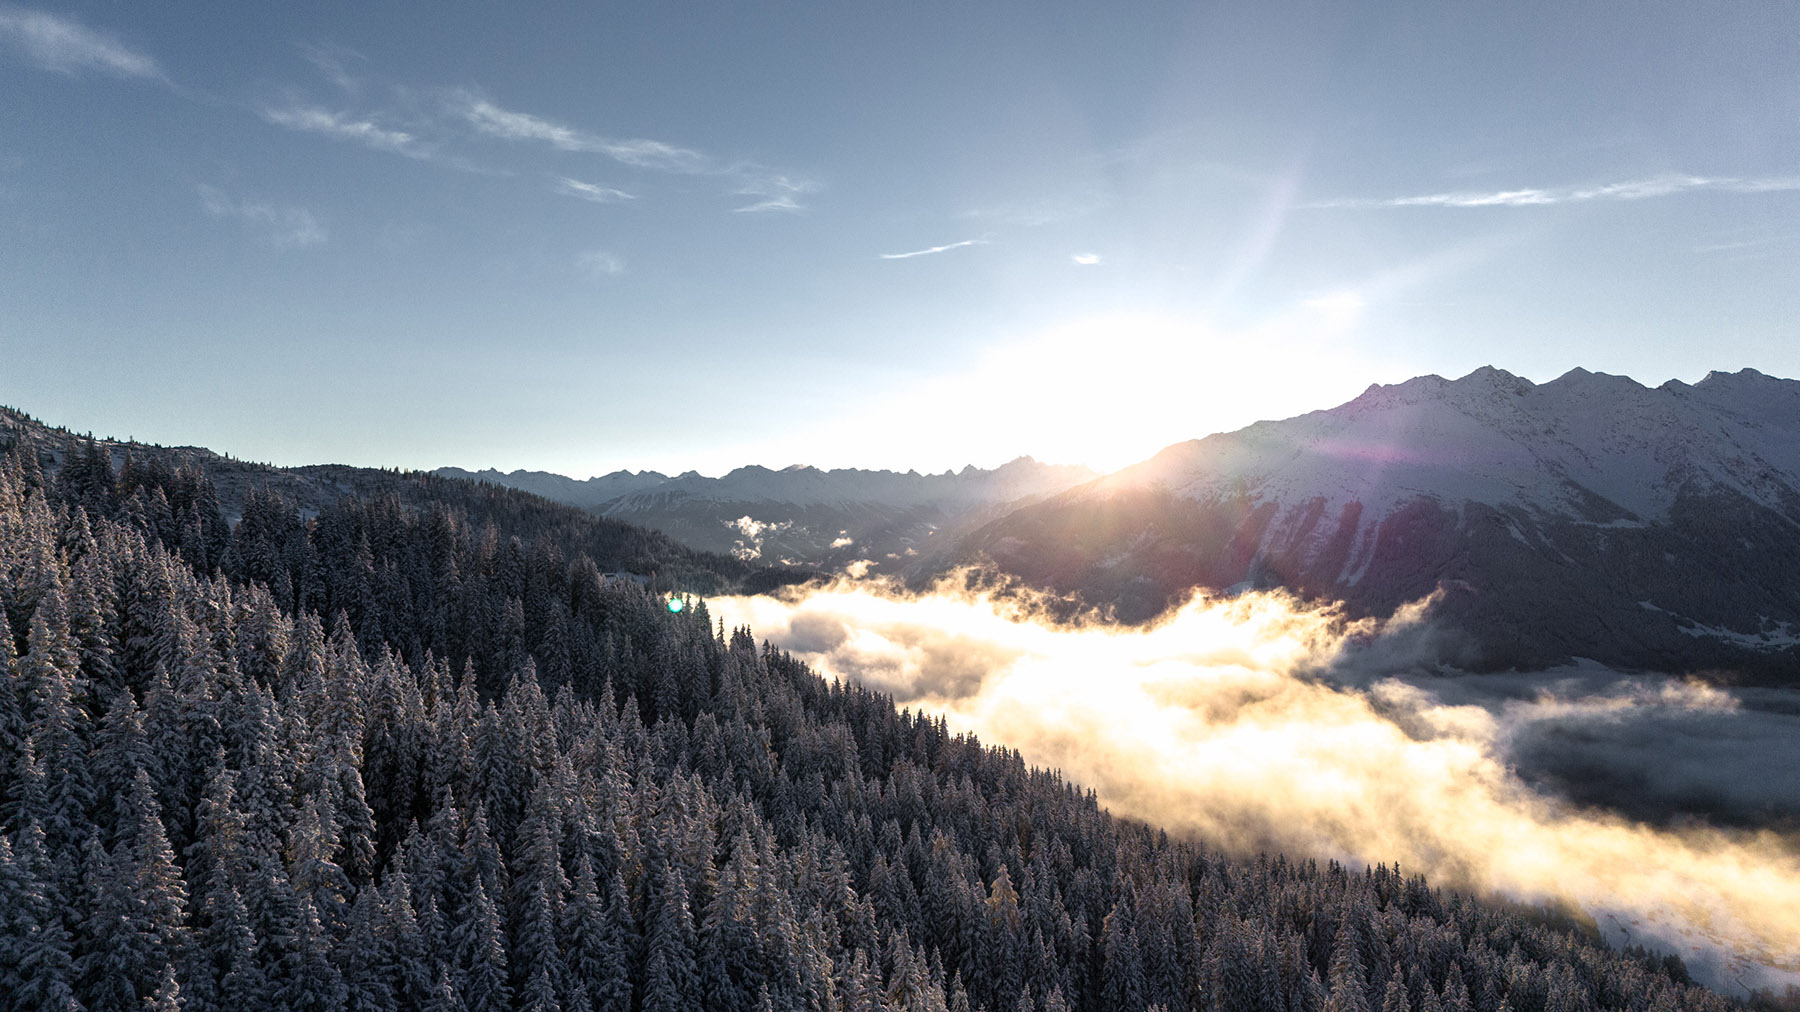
332	64
1751	245
774	191
1085	259
284	226
600	263
777	193
66	46
935	249
591	191
785	202
343	126
1634	189
506	124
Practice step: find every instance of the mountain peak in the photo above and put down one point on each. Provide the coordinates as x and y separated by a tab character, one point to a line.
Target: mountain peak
1497	379
1745	375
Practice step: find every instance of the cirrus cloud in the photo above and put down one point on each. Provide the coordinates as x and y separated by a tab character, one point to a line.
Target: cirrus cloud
66	46
592	192
343	126
1665	185
283	226
927	251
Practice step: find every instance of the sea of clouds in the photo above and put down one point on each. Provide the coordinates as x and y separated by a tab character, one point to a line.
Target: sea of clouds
1666	808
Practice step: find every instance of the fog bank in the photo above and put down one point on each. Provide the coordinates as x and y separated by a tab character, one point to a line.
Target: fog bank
1257	723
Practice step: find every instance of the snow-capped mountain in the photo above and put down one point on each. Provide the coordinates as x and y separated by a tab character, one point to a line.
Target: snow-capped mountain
1588	516
805	515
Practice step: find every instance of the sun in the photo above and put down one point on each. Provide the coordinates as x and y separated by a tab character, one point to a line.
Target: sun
1111	391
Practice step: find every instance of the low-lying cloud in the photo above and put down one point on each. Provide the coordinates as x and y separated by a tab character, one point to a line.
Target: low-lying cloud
1257	723
750	533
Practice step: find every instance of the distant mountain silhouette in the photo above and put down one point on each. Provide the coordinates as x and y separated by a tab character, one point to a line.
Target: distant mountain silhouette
803	515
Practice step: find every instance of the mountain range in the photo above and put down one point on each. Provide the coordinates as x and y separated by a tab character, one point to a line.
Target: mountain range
1589	516
418	750
1586	517
804	516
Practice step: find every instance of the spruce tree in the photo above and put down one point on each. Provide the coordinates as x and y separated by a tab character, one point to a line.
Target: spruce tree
1349	988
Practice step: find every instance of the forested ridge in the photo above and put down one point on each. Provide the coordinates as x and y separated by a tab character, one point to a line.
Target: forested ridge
404	755
191	497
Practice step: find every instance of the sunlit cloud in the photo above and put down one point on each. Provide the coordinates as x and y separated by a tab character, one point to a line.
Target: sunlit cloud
592	192
935	249
507	124
284	226
1258	723
1634	189
600	263
748	544
61	44
342	126
1085	259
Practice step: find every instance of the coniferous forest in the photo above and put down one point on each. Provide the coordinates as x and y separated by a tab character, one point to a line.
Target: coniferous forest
422	754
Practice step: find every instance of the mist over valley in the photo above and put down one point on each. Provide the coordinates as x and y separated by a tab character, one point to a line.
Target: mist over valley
1416	586
1002	507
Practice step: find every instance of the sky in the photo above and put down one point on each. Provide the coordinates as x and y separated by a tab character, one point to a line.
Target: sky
586	237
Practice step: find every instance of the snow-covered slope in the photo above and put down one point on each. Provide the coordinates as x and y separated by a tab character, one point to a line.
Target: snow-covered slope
1496	438
1589	515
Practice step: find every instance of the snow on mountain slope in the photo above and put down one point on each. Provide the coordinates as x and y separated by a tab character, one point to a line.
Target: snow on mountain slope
1496	438
1588	516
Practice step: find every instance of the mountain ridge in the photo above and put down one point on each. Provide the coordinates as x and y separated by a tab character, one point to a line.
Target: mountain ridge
232	487
1656	527
803	515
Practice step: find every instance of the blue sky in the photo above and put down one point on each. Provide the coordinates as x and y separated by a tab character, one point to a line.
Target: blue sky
583	237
